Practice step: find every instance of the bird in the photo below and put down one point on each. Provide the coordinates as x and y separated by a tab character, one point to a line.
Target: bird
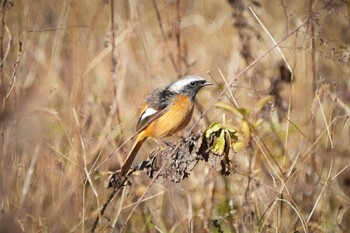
164	112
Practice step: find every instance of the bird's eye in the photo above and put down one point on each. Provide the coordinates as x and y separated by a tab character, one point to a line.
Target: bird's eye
192	84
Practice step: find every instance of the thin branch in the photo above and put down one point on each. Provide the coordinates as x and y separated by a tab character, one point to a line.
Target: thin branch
285	14
314	79
115	108
14	72
164	36
87	174
18	58
297	212
29	176
322	190
215	100
59	28
229	88
178	36
8	46
271	37
142	197
110	198
325	122
2	25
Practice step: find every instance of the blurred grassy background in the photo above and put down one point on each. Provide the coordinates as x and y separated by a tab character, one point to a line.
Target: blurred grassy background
67	106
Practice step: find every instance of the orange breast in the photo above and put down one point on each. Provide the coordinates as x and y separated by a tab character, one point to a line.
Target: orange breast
176	118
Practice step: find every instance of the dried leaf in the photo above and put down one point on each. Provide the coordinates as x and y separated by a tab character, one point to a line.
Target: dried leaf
219	144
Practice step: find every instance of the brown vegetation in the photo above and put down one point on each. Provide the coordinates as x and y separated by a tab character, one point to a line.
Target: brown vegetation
72	76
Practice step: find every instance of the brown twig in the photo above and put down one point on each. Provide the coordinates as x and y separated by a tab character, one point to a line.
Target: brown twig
141	198
164	37
2	26
114	59
118	183
314	81
215	100
18	58
178	37
59	28
118	186
285	15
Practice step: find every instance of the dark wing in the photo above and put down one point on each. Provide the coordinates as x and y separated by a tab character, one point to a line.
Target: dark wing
155	106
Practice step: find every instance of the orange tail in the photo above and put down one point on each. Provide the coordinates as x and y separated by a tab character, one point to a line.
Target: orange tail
132	154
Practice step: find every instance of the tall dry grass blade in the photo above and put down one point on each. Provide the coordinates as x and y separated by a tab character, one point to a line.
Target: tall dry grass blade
325	122
29	176
300	216
322	191
290	69
228	87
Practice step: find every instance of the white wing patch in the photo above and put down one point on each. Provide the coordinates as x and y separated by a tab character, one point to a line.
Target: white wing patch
148	112
178	85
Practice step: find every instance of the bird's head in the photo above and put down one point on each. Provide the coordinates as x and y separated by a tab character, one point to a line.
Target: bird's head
188	85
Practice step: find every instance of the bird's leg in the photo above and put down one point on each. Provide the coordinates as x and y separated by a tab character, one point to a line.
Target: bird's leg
161	141
167	143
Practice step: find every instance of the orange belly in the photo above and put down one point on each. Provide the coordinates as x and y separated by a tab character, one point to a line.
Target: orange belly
176	118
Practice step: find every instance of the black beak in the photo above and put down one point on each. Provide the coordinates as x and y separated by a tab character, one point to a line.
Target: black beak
207	84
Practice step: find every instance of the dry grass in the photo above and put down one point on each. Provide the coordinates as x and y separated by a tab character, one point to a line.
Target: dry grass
70	97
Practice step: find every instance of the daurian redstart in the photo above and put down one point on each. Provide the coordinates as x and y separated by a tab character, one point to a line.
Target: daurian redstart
165	111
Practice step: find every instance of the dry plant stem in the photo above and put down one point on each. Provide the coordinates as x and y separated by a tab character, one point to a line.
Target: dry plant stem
14	72
340	103
348	3
29	175
118	187
289	68
296	211
341	171
106	129
306	155
285	15
114	110
59	28
123	196
94	167
346	166
271	37
249	151
322	190
178	37
314	79
2	80
19	56
325	122
267	149
87	174
110	198
215	100
309	152
142	197
164	36
144	200
283	183
2	26
3	58
114	58
229	88
290	122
